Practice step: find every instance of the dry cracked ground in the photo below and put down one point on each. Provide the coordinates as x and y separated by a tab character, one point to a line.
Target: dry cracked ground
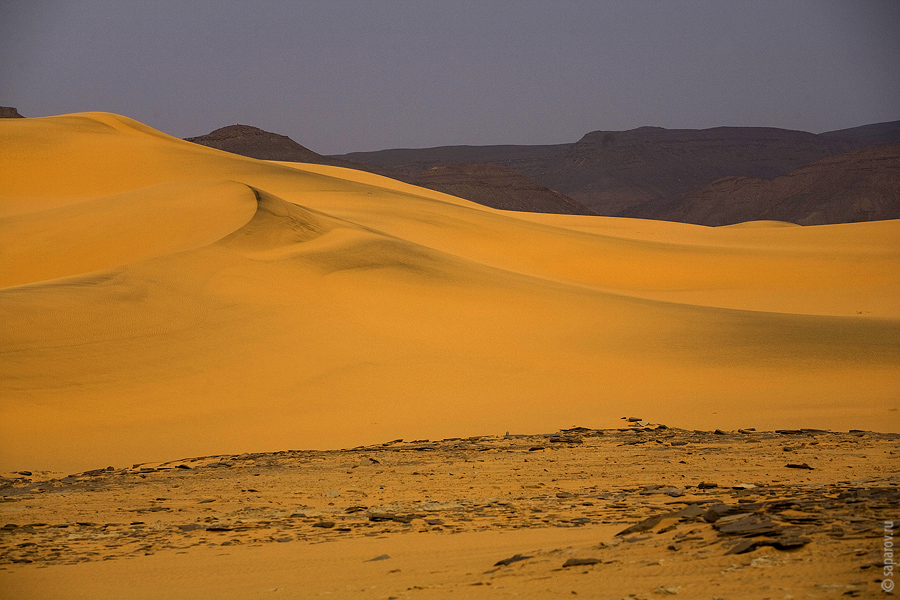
640	512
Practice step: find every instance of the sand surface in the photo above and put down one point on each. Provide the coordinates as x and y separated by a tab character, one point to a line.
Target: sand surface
160	299
655	512
166	299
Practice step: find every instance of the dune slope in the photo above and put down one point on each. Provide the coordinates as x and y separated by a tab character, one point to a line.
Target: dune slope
166	299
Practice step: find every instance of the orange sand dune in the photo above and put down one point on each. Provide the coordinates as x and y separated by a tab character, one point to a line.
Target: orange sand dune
164	299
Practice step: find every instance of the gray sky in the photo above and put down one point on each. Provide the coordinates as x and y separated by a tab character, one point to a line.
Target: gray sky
342	76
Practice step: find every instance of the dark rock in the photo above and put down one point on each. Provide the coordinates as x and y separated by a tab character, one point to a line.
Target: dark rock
564	495
511	559
648	523
703	485
667	490
578	562
558	439
743	546
8	112
798	466
717	511
782	543
25	473
536	448
749	526
324	524
634	419
790	542
719	432
383	516
379	558
678	443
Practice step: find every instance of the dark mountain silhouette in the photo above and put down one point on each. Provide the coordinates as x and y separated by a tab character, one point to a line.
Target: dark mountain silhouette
486	184
863	185
497	187
610	171
258	143
8	112
613	172
867	135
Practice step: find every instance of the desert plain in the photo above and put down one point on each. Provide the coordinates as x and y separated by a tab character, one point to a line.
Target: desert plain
205	358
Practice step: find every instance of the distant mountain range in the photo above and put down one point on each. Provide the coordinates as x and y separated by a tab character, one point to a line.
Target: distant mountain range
708	176
485	183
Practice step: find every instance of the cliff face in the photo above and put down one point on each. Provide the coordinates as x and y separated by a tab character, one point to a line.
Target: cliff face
611	171
863	185
646	170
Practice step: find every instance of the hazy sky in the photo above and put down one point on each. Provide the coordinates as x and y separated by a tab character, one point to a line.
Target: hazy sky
341	76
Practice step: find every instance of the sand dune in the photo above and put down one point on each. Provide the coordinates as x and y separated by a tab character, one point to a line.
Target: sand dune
164	299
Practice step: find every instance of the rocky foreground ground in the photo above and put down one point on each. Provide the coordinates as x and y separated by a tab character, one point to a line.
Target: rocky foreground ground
792	513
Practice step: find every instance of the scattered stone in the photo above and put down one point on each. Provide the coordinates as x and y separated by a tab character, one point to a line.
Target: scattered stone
559	439
750	525
667	490
384	516
644	525
782	543
667	590
511	560
578	562
324	524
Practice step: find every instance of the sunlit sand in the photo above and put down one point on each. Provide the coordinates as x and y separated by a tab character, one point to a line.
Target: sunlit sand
163	299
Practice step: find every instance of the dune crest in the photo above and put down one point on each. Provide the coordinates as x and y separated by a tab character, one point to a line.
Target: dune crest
183	301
